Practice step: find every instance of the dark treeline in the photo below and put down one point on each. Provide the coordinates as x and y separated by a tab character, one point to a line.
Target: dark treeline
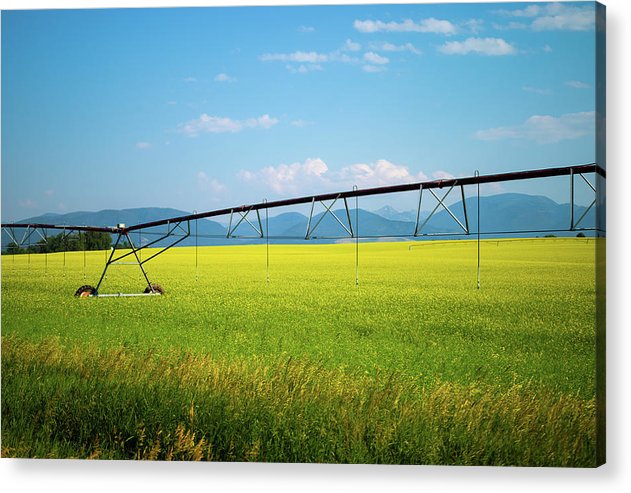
89	240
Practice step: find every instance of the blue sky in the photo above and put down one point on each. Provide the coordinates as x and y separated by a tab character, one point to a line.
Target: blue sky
211	107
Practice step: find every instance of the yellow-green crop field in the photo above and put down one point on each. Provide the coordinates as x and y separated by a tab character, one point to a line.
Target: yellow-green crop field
415	365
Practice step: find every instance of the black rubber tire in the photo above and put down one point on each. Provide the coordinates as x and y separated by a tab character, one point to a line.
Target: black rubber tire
156	289
85	291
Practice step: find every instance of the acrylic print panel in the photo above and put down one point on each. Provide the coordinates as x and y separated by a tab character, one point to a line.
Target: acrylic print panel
319	234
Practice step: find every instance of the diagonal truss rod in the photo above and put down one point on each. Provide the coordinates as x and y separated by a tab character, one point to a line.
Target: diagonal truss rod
574	224
441	202
113	260
244	217
169	233
328	210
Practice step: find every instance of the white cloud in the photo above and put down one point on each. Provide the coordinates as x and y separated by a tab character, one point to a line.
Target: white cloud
301	123
545	129
375	59
350	45
306	29
288	178
313	175
373	68
430	25
554	17
311	61
570	19
509	26
143	145
303	69
27	204
380	173
479	46
577	84
392	47
208	184
537	90
442	175
296	56
224	78
547	49
338	56
474	26
216	124
190	79
530	11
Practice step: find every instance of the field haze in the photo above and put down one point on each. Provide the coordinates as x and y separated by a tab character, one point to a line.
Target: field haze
415	365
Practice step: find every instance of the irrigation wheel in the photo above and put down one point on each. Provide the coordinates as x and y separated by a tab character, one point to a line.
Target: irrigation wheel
85	291
156	289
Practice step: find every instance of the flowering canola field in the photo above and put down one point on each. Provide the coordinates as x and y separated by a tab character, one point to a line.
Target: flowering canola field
413	365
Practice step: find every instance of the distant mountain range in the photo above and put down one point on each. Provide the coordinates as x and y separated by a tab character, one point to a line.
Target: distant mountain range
499	214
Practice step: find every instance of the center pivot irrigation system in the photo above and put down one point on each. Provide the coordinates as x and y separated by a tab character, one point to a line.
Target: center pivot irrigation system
179	228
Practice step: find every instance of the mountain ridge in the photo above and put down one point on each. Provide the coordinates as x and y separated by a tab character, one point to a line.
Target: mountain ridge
500	214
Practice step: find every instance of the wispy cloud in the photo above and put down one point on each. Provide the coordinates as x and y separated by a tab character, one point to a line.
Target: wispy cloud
537	90
430	25
27	204
301	123
371	69
224	78
190	79
375	59
545	129
312	61
303	62
394	48
509	26
208	184
442	175
314	174
296	56
350	45
49	193
288	178
217	124
306	29
143	145
530	11
375	63
303	69
382	172
552	17
478	46
577	84
474	26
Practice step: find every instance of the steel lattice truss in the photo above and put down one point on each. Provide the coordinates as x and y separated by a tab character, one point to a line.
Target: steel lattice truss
179	228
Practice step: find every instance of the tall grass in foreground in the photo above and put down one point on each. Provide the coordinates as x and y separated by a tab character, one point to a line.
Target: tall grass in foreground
122	403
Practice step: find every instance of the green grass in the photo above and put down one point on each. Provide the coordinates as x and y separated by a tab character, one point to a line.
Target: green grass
414	366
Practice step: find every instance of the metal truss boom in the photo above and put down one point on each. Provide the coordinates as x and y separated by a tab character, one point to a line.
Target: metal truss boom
469	180
426	185
327	200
